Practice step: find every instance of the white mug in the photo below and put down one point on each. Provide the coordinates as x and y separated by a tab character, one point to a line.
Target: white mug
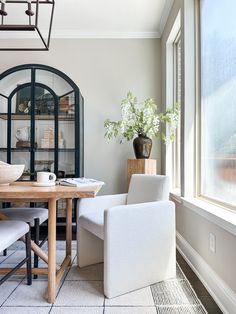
45	177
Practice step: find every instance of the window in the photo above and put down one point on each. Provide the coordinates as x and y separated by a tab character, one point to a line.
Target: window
218	100
177	99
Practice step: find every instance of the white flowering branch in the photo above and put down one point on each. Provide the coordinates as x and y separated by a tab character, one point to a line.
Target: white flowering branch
141	119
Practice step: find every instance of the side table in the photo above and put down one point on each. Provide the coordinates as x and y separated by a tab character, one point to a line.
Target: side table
144	166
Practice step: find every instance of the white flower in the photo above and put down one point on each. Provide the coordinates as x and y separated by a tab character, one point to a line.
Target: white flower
147	112
141	119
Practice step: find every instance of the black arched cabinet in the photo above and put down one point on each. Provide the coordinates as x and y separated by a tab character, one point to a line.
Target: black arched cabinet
41	122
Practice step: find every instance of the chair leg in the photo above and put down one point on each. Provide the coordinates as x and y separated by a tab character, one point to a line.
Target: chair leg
46	238
89	248
28	256
36	240
5	252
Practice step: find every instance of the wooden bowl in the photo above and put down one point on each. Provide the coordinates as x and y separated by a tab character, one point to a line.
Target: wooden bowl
10	173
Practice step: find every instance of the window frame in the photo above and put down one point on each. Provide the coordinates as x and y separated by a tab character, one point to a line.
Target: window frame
176	147
167	150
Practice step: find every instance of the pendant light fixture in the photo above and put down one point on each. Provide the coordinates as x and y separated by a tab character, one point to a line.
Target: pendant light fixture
26	24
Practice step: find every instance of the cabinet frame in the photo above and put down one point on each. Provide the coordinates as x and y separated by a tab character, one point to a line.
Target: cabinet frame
78	116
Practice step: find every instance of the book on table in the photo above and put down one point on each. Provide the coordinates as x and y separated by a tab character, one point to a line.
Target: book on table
80	182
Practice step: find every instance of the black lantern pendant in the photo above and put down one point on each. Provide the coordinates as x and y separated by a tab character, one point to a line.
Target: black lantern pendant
33	9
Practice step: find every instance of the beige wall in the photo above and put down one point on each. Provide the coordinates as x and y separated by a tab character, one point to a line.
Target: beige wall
194	228
104	69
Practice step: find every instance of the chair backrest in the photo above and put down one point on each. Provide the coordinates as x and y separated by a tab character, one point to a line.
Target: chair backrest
11	231
148	188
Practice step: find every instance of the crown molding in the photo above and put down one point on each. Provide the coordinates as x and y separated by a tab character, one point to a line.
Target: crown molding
76	34
72	33
165	14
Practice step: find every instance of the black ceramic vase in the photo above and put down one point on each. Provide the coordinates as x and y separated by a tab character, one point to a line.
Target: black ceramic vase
142	147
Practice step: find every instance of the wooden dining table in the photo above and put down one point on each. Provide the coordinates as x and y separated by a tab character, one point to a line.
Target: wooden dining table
26	191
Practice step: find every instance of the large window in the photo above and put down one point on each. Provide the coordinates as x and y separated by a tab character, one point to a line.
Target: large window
218	100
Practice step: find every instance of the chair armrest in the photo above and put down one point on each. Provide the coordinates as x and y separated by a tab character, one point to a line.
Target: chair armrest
139	245
100	202
137	219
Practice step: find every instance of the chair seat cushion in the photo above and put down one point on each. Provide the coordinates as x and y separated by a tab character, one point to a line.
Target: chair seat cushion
26	214
93	222
11	231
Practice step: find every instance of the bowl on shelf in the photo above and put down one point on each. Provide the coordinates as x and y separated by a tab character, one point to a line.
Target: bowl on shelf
10	173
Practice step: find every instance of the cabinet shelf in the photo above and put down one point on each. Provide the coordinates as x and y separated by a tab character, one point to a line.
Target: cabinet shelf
14	116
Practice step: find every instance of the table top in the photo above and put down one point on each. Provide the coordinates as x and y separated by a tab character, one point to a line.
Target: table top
26	190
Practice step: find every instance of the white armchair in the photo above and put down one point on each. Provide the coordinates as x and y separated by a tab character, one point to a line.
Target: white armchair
134	234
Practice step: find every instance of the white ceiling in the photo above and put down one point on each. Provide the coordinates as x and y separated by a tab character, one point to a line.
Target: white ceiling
93	18
110	18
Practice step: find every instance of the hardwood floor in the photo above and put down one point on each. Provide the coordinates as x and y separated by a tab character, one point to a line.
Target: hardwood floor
198	287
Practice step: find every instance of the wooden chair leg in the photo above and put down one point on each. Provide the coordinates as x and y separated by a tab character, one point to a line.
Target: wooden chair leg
36	240
28	256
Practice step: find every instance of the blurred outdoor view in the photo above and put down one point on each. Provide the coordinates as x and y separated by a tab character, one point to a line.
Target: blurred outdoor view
218	99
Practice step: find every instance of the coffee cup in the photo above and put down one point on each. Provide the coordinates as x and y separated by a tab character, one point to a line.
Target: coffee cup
46	177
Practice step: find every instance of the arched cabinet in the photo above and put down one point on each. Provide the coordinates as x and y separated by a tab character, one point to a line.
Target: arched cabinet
41	121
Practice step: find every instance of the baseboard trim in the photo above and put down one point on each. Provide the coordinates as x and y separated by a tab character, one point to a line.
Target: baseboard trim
223	295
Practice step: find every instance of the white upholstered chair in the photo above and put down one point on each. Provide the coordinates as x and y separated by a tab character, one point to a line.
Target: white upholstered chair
10	232
34	217
134	234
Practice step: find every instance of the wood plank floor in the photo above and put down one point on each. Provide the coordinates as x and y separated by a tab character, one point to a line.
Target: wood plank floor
198	287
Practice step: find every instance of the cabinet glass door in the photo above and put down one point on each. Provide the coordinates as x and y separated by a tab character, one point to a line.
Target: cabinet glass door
66	136
45	131
21	144
53	81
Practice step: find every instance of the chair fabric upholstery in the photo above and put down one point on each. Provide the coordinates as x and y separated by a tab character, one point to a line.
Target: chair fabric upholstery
93	222
143	188
11	231
26	214
133	234
139	247
86	205
148	188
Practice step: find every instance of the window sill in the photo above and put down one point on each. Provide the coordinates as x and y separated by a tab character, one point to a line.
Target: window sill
220	216
175	196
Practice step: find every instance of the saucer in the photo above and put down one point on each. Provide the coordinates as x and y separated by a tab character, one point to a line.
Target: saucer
44	183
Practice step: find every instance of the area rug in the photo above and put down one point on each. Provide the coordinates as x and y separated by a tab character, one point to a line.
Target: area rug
173	296
176	296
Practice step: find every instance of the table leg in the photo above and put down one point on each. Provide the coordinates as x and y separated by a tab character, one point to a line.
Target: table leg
69	227
52	250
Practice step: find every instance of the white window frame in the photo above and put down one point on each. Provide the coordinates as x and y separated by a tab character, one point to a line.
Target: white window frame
176	166
171	96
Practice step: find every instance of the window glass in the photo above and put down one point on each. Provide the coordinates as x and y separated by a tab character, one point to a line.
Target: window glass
218	101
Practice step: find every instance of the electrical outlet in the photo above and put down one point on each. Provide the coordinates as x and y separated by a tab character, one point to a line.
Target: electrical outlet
212	242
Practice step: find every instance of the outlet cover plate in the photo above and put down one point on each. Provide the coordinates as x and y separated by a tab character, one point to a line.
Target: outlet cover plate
212	242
